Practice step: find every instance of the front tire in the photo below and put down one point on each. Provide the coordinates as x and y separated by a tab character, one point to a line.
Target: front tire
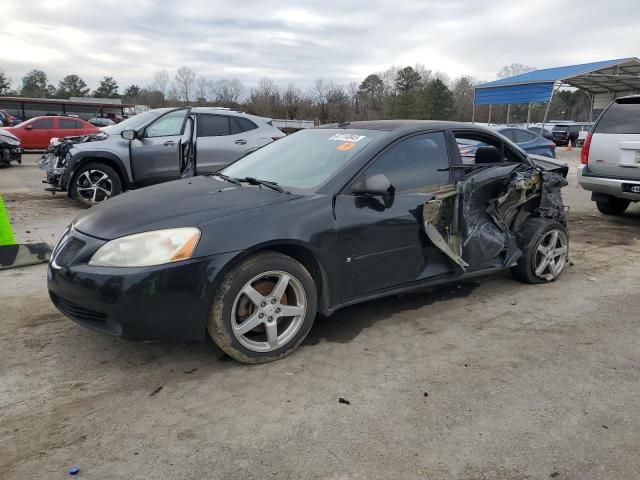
263	308
545	248
615	206
94	183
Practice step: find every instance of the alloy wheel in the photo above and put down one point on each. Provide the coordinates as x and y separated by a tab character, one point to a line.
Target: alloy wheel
551	255
94	186
268	311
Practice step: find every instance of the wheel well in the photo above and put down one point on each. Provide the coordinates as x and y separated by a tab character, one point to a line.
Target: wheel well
106	161
297	252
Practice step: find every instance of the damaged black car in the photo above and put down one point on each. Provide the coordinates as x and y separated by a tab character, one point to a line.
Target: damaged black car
322	219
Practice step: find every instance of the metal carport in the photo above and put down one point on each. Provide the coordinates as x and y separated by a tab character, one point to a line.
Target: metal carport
605	80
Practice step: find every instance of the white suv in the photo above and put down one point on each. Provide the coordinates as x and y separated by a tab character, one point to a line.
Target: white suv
611	157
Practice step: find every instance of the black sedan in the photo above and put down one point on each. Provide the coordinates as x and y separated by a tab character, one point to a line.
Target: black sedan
321	219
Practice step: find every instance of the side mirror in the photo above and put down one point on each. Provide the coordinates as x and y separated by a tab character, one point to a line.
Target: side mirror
129	134
377	185
28	127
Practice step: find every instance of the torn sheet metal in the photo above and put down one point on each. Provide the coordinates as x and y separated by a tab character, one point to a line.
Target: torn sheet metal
492	204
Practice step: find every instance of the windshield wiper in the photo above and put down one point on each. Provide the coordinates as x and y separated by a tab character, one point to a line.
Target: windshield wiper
266	183
226	178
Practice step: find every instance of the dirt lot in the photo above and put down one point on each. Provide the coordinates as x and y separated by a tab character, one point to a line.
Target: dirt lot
483	380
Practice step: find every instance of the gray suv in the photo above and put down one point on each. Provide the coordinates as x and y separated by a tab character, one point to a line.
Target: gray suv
153	147
611	157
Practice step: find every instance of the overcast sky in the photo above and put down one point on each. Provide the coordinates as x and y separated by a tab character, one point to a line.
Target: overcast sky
304	40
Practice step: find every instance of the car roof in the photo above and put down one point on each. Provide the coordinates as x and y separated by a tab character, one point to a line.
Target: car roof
406	126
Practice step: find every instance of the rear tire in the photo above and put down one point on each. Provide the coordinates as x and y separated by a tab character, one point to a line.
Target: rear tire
615	206
94	183
545	248
248	319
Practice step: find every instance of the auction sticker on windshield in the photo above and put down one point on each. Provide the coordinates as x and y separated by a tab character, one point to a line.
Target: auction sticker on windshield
345	146
346	137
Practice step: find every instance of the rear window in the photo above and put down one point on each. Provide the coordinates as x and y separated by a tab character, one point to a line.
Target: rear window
522	136
623	116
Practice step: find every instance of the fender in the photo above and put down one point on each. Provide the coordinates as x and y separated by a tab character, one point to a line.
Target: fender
82	157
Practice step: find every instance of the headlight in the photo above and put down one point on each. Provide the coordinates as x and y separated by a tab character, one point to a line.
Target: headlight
149	248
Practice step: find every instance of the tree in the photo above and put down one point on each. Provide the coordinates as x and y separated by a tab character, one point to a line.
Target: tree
228	92
132	91
204	90
292	99
185	78
161	82
463	98
438	99
513	70
35	84
108	88
72	86
371	93
5	83
408	80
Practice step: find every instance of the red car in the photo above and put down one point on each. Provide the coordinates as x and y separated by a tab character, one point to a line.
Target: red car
37	132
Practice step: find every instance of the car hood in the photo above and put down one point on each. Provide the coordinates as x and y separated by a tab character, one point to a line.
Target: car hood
6	133
181	203
550	164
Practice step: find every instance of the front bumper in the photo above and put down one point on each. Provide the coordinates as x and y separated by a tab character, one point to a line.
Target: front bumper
616	187
10	154
56	176
166	302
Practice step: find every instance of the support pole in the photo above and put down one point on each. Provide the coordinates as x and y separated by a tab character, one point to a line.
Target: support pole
528	114
593	98
473	113
508	113
489	119
546	112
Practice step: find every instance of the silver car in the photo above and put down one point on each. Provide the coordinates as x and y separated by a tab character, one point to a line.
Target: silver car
153	147
611	157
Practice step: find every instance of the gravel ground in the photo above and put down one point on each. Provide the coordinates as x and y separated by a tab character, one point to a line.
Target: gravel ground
482	380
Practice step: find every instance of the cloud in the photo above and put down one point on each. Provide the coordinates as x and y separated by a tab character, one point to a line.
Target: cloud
302	41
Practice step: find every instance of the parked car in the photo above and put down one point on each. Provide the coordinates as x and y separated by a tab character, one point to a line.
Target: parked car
152	147
562	133
10	149
526	140
610	157
545	134
322	219
37	132
5	119
101	122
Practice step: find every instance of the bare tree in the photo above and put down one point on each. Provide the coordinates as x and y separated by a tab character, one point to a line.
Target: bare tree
228	92
292	99
161	82
266	98
185	78
513	70
203	89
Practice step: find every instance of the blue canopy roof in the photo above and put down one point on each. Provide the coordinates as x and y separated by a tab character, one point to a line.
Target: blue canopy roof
537	86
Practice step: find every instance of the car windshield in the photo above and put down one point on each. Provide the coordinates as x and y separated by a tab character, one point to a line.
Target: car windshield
133	123
305	159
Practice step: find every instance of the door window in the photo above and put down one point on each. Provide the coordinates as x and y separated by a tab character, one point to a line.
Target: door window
213	125
522	136
414	163
43	124
245	124
167	125
235	127
66	123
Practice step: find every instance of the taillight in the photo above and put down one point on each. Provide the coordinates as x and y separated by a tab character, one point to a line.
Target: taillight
584	155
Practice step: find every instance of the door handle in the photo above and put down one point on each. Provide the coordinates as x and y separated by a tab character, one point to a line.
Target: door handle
241	142
168	143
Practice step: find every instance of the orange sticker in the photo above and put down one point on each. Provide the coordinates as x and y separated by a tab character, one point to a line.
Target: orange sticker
345	146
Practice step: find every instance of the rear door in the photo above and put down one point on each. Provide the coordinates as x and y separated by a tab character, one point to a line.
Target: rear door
221	140
68	127
156	156
615	142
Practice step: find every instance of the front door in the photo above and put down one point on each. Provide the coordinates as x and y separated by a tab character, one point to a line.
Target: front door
156	156
381	239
